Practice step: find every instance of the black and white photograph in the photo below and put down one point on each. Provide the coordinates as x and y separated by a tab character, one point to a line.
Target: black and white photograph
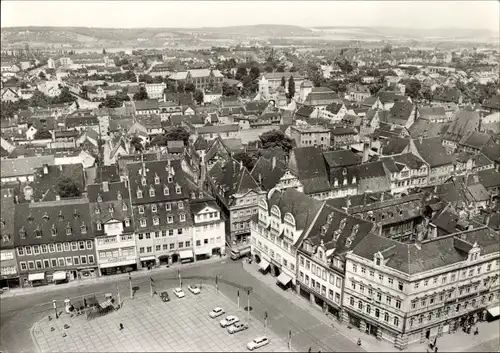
233	176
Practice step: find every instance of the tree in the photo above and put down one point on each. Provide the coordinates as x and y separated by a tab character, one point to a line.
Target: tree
104	51
283	82
141	95
246	158
64	97
190	87
136	142
228	91
114	101
177	133
387	49
291	87
38	99
198	96
180	86
412	89
42	75
146	79
67	187
374	88
240	73
269	68
276	138
42	135
254	73
293	69
281	68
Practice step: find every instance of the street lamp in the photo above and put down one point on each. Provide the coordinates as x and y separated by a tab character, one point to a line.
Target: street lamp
55	308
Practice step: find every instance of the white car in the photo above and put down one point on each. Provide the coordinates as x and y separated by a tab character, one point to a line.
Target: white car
216	312
179	292
194	289
257	343
237	327
228	321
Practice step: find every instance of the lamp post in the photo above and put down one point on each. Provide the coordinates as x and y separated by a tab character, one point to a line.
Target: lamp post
55	308
248	305
130	283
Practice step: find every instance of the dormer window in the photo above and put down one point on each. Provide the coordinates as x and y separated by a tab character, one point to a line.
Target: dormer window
124	207
180	205
111	209
2	224
177	189
60	216
143	181
45	217
76	215
193	195
53	230
154	208
38	232
83	229
97	210
182	217
99	198
119	195
354	180
330	218
335	182
166	190
156	221
345	181
377	261
99	226
22	233
68	229
139	194
324	230
157	180
348	242
201	195
30	218
168	207
127	222
170	179
141	209
151	192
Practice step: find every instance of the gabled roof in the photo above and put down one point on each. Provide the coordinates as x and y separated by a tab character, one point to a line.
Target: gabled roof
400	113
341	158
432	151
426	129
475	139
395	146
308	164
304	112
463	122
267	175
24	166
148	104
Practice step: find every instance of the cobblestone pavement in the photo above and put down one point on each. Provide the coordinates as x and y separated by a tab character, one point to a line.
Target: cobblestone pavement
150	325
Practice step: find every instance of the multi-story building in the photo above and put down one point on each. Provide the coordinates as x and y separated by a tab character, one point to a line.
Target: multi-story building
112	224
9	276
321	257
155	90
237	194
209	228
439	162
54	241
162	219
407	293
405	172
269	83
284	218
310	135
201	78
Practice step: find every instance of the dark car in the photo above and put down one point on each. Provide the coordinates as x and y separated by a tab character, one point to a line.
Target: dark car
164	296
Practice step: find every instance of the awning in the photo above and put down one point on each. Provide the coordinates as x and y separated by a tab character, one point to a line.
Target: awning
36	276
264	265
284	279
202	251
495	311
147	258
59	276
186	254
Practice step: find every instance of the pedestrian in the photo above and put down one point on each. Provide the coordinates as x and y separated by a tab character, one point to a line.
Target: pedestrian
476	332
121	326
309	350
359	341
435	349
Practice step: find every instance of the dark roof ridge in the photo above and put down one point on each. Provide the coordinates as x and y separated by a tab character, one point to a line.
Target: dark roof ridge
72	201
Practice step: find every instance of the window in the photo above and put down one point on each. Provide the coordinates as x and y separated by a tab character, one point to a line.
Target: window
390	280
354	268
339	282
141	209
139	194
20	251
31	265
416	285
377	312
170	219
38	264
396	321
154	208
372	273
143	222
172	246
141	250
180	205
89	244
351	301
337	297
23	266
83	260
36	249
156	221
179	231
53	262
81	245
386	317
400	285
398	304
61	262
368	309
59	247
149	249
46	263
379	296
158	247
148	235
99	226
381	277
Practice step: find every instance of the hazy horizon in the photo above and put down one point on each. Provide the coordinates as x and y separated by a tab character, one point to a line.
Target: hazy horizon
479	15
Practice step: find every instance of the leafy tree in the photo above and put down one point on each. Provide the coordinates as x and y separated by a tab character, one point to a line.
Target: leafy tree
413	88
114	101
198	96
283	82
293	69
190	87
247	159
254	73
269	68
38	99
104	51
136	142
64	97
42	75
291	87
180	86
67	187
42	135
427	94
141	95
281	68
146	79
374	88
177	133
387	49
228	91
276	138
240	73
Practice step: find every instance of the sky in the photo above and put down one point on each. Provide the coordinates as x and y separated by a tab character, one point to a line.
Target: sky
130	14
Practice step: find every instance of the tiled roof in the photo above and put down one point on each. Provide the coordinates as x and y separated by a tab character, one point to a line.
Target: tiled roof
432	151
341	158
489	178
23	166
148	104
264	173
400	113
304	112
463	122
395	146
426	129
217	129
475	139
308	164
7	217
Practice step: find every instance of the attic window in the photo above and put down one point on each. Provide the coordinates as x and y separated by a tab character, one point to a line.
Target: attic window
141	209
193	195
60	216
157	180
180	205
99	198
400	212
344	171
177	189
166	191
124	207
68	229
111	209
151	192
45	217
30	218
53	230
83	229
22	233
342	225
139	194
170	179
154	208
143	181
168	207
75	214
324	229
38	232
119	195
97	210
2	224
99	226
201	195
330	218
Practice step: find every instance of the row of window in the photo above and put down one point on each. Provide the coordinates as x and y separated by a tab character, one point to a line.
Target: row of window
378	295
381	277
368	310
58	247
171	246
58	262
116	253
333	281
209	226
112	240
157	234
53	231
318	287
156	220
444	278
168	207
276	256
281	242
126	223
152	192
8	270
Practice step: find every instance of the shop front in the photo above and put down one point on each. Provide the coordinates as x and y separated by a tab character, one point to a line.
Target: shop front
203	253
186	255
37	279
117	266
59	277
148	261
9	281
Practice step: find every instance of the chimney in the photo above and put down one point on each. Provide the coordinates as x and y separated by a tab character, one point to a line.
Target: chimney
366	152
433	231
382	196
60	167
365	198
486	219
105	186
58	197
274	163
420	139
260	179
45	169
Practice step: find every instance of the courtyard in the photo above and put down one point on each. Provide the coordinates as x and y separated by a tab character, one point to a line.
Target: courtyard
180	325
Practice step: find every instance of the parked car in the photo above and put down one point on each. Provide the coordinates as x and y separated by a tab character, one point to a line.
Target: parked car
228	321
164	296
194	289
179	293
257	343
216	312
237	327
